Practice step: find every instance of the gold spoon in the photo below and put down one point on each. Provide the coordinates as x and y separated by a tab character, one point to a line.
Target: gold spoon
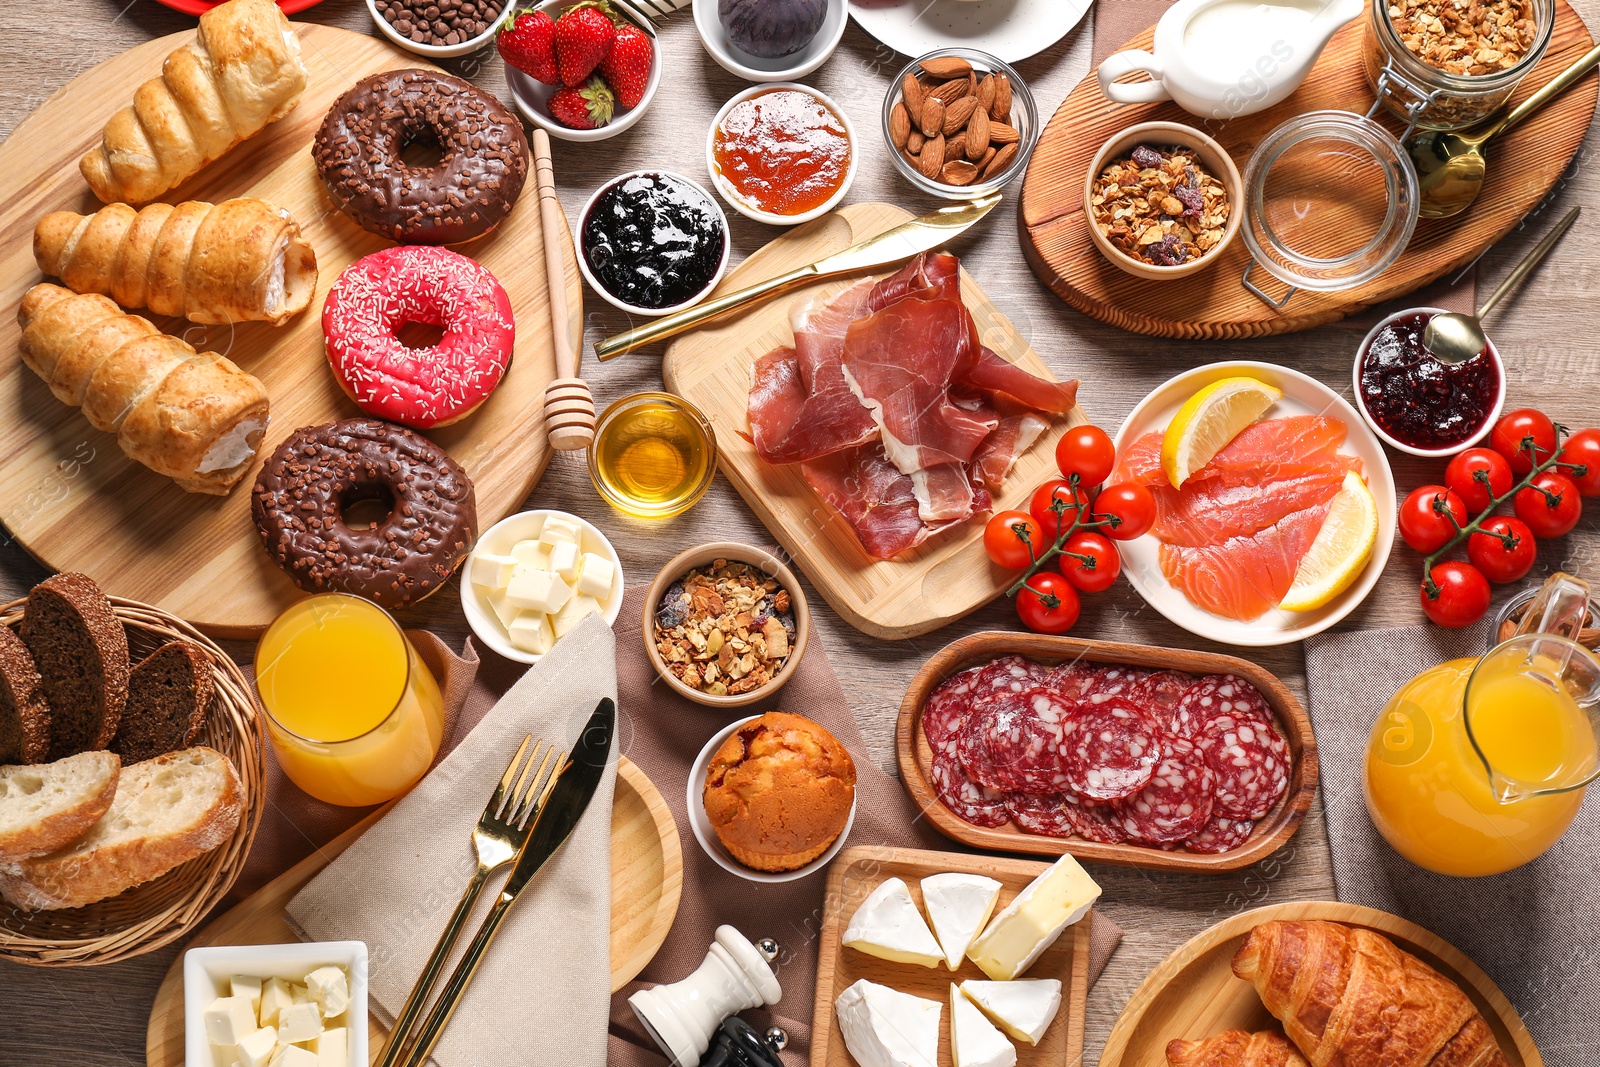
1450	165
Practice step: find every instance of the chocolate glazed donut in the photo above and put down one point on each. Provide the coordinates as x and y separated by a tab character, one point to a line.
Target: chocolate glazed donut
484	157
304	489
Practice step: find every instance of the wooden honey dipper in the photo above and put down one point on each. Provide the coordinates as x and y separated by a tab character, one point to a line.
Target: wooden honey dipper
568	405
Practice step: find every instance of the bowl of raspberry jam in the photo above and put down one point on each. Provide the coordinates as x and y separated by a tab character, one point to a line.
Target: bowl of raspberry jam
1418	403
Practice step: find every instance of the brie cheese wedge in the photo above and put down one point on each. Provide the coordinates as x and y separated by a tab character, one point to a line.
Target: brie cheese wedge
974	1042
889	926
884	1027
1031	923
958	905
1022	1009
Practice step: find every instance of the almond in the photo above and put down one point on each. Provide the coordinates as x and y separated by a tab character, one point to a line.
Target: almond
986	92
931	162
955	147
951	90
958	113
988	156
1000	111
958	172
899	125
978	134
1002	159
932	117
912	95
915	141
1002	134
943	67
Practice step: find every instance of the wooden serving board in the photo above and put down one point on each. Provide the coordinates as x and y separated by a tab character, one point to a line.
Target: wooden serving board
1271	833
1194	993
860	870
646	887
940	580
67	492
1523	166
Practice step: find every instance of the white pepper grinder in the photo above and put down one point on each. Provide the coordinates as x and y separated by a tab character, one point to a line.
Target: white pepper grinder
684	1016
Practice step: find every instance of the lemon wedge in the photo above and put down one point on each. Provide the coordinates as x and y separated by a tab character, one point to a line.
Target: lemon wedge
1341	549
1209	420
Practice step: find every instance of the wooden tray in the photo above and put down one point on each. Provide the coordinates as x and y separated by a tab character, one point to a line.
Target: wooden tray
935	583
67	492
1271	832
646	886
1194	994
1523	166
860	870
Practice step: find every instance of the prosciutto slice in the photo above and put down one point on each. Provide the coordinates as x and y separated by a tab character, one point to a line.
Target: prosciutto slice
877	500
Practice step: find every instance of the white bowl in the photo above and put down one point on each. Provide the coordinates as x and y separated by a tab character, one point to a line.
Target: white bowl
706	834
498	539
652	313
784	68
750	211
1427	453
207	970
436	51
532	97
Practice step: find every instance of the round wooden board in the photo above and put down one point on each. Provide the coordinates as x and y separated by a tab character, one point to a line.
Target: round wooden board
69	495
1194	993
646	887
1523	166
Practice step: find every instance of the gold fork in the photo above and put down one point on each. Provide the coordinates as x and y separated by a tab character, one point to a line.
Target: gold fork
500	833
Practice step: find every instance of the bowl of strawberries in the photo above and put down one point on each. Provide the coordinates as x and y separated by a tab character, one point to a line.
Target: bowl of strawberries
582	70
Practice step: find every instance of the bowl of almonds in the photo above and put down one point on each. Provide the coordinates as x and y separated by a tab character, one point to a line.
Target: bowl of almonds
960	123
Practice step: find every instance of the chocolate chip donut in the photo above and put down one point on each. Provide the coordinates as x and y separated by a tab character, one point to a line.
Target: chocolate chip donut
304	489
484	157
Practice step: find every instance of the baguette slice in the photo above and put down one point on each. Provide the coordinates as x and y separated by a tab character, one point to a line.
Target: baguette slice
168	694
51	805
166	812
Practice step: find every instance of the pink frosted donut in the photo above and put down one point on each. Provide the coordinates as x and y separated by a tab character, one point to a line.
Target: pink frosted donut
420	387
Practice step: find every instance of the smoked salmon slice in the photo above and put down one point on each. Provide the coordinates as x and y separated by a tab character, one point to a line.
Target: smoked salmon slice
1272	448
1244	577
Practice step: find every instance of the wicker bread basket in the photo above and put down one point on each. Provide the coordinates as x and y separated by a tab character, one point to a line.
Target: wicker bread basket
154	914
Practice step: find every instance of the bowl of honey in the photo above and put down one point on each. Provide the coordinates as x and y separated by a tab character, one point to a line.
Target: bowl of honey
782	153
654	455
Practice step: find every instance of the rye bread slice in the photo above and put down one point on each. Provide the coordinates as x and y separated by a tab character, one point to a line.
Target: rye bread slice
81	651
24	715
168	694
48	806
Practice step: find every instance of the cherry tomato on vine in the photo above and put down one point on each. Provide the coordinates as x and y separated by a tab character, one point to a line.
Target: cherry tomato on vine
1520	426
1107	561
1550	504
1501	560
1463	595
1467	473
1048	520
1426	528
1583	447
1132	505
1003	539
1087	452
1048	604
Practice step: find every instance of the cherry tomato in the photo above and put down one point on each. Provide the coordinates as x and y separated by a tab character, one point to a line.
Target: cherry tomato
1132	505
1048	604
1095	578
1463	595
1003	539
1515	430
1425	527
1087	452
1501	560
1478	476
1583	447
1550	504
1048	520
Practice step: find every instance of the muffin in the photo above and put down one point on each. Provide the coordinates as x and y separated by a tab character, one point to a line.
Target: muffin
779	791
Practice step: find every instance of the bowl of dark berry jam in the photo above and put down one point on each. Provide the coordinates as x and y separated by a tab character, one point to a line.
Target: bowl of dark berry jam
652	242
1417	403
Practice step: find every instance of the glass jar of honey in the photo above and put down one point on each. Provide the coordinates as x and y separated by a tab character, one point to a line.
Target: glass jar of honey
654	455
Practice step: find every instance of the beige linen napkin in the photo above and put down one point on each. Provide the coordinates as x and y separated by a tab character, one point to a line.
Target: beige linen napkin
540	998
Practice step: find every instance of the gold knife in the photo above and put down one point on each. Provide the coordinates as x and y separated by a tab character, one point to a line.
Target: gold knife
895	246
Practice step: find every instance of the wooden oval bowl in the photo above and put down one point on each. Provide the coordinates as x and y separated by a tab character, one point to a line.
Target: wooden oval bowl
1271	832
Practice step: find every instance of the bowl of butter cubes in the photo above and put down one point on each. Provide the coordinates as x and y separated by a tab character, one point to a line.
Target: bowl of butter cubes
533	577
301	1005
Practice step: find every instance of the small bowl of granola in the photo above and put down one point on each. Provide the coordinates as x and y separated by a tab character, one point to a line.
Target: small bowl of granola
1162	200
725	624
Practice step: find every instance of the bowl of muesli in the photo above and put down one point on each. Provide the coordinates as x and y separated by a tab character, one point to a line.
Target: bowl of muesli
725	624
1162	200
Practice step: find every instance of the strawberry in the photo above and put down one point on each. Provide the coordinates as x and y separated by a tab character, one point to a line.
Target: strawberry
583	38
527	41
627	68
585	107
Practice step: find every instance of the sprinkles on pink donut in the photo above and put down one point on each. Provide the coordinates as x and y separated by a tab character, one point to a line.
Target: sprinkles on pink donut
418	387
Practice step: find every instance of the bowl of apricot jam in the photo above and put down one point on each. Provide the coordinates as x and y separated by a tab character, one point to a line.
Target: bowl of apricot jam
781	153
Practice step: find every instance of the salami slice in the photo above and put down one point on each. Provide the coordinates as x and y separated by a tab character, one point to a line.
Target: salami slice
1251	764
1159	694
972	748
1041	813
969	800
1025	735
945	714
1070	680
1095	822
1109	749
1111	683
1221	834
1176	803
1008	674
1221	694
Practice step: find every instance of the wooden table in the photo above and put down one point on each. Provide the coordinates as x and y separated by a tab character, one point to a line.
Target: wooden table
95	1017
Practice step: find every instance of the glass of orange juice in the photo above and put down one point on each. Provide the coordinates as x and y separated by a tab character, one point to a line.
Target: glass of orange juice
353	713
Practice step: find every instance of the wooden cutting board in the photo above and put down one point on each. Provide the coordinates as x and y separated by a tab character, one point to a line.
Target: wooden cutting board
940	580
646	887
1523	166
67	492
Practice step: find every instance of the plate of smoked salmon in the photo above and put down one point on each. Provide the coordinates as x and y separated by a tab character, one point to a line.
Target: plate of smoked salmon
1232	546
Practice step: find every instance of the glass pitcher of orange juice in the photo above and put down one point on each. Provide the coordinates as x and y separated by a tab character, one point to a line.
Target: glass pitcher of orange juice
1477	766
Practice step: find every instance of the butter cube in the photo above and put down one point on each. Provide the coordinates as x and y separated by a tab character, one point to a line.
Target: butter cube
492	571
333	1048
299	1022
530	631
275	996
564	560
241	985
255	1049
576	610
532	590
228	1019
531	554
559	529
224	1056
290	1056
297	990
330	989
595	575
503	609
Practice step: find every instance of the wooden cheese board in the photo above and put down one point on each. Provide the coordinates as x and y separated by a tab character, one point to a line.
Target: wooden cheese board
1212	303
69	495
1194	992
920	590
860	870
646	887
1271	833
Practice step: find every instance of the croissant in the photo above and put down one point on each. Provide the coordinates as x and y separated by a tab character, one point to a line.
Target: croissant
1236	1048
1348	996
194	417
241	72
240	260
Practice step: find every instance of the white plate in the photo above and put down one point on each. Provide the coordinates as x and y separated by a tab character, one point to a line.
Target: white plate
784	68
1302	395
1010	29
